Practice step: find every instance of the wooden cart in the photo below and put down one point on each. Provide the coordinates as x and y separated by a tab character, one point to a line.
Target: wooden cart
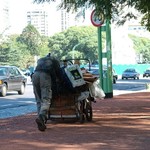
68	106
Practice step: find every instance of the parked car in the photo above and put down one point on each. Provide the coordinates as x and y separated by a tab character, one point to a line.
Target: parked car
26	72
115	76
95	71
130	73
146	73
11	79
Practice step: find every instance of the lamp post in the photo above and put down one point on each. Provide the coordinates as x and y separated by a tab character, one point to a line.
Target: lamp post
74	49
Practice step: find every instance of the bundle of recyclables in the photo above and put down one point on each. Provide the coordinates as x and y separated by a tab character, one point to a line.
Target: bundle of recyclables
78	79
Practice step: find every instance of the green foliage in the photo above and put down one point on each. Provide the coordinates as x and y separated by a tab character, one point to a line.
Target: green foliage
143	6
142	46
19	50
75	42
14	53
116	10
32	39
4	49
74	54
43	47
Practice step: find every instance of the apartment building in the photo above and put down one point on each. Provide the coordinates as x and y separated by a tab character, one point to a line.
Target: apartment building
4	17
39	19
138	30
64	20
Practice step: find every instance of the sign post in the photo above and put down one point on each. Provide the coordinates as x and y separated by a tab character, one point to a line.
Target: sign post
98	20
106	79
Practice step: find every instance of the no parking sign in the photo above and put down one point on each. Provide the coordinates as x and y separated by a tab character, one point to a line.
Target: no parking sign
97	20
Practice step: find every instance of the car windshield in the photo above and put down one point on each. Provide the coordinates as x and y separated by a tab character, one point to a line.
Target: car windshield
129	70
2	71
147	70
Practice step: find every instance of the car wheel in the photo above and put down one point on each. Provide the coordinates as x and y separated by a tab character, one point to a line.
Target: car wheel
22	89
114	81
138	78
4	90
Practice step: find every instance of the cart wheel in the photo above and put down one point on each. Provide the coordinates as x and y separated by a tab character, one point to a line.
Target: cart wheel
88	112
82	118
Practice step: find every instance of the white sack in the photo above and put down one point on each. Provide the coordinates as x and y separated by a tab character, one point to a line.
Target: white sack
95	90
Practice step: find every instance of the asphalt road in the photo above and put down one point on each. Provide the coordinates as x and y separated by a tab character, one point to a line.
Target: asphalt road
130	86
15	105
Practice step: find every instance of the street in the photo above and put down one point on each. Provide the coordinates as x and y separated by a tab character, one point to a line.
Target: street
129	86
15	105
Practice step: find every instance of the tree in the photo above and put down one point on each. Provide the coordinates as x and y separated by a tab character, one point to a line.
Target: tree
77	42
19	50
32	39
15	53
116	10
43	47
142	46
9	52
4	53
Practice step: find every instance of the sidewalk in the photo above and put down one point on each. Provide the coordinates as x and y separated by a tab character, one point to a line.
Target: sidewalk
120	123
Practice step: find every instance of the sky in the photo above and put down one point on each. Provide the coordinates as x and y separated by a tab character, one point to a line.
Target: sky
18	9
18	14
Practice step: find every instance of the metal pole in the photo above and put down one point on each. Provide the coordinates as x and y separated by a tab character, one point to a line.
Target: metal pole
100	55
109	92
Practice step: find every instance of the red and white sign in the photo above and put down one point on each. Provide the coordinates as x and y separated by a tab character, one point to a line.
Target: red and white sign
97	20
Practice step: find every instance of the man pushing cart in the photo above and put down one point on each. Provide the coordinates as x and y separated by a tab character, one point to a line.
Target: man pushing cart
61	92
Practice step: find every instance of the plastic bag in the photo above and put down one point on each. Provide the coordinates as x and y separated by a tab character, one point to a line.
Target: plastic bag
96	91
83	96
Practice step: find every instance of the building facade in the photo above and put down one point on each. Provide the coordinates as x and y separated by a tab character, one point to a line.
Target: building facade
65	19
39	19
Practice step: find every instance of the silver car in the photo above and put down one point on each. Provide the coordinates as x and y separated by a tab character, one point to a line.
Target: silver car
130	73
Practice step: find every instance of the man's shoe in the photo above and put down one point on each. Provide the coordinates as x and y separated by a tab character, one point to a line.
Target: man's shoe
40	123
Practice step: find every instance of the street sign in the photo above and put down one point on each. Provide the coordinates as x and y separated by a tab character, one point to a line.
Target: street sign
97	20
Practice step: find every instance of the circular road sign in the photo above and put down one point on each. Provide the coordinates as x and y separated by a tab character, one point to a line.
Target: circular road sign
97	20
